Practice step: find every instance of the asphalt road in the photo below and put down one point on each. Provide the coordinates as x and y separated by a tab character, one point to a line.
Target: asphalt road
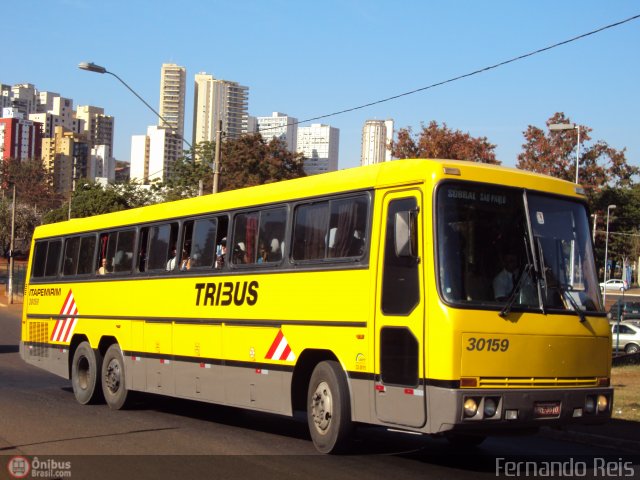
167	438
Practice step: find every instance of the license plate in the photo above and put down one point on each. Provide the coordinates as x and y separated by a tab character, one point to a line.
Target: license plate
546	410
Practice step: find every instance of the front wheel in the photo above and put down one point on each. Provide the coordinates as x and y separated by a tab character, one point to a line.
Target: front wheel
329	408
85	374
113	378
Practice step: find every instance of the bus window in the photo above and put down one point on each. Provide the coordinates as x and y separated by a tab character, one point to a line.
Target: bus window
310	231
39	259
46	258
117	248
162	246
53	258
348	223
71	248
245	234
200	242
85	257
333	229
271	237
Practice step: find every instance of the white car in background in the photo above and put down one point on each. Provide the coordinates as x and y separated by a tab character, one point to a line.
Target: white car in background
627	336
614	284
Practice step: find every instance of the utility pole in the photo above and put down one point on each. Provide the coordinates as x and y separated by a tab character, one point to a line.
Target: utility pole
11	247
216	161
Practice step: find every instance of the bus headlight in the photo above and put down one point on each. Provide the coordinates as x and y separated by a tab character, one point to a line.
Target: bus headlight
470	407
590	405
490	407
603	403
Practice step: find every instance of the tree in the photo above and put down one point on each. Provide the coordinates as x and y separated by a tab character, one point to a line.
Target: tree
245	161
436	141
553	153
250	160
26	220
92	198
34	184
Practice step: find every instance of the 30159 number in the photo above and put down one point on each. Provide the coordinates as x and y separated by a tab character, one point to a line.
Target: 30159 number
488	344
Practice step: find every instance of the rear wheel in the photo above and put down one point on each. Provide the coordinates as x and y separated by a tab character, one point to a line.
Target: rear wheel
329	408
632	348
113	378
85	374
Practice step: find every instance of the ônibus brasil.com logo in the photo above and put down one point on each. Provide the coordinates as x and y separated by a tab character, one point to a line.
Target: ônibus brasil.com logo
21	467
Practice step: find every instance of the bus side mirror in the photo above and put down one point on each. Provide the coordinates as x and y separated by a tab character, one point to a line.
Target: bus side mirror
406	238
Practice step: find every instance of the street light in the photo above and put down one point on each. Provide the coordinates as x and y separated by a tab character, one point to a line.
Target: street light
554	127
92	67
606	251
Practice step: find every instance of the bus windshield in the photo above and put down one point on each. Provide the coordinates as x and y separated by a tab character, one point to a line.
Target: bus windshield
507	248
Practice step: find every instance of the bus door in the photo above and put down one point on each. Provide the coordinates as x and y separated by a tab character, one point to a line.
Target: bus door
399	323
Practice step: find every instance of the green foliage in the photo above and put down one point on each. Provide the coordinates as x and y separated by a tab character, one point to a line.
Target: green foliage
245	161
92	198
26	220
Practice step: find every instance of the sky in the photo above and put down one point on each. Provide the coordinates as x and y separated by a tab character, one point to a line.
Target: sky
308	59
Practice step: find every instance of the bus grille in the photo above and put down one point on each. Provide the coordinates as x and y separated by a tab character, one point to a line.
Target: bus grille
536	382
38	336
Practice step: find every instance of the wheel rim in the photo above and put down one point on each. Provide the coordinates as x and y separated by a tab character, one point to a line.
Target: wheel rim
84	372
113	376
322	407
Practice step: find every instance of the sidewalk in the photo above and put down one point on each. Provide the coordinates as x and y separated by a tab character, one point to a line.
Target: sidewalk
4	301
623	435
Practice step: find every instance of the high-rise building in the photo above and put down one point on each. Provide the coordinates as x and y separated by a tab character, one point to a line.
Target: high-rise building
280	126
20	139
101	164
376	138
52	110
66	155
218	100
319	144
97	126
5	96
153	154
173	86
24	98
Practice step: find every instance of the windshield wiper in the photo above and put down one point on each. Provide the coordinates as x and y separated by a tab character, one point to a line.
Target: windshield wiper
526	272
566	294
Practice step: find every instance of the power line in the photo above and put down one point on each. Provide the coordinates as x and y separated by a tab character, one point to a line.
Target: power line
466	75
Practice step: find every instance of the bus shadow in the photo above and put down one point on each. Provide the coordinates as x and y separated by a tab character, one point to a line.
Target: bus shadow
9	349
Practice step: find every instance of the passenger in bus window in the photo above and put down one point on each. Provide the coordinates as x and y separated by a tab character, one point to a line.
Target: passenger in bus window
221	253
171	264
103	267
505	281
185	263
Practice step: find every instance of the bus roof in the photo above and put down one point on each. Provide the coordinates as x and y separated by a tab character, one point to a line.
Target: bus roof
387	174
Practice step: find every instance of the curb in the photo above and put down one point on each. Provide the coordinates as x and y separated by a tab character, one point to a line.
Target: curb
602	441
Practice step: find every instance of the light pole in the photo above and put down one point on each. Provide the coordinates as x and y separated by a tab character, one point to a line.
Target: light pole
606	251
92	67
554	127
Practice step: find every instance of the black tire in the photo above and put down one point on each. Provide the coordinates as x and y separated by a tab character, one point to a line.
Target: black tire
632	348
329	408
113	378
465	440
85	374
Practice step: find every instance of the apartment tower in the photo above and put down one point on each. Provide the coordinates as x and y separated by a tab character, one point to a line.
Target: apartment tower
216	100
376	138
173	83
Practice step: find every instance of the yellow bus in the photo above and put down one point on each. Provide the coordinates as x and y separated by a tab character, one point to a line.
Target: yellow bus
434	296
